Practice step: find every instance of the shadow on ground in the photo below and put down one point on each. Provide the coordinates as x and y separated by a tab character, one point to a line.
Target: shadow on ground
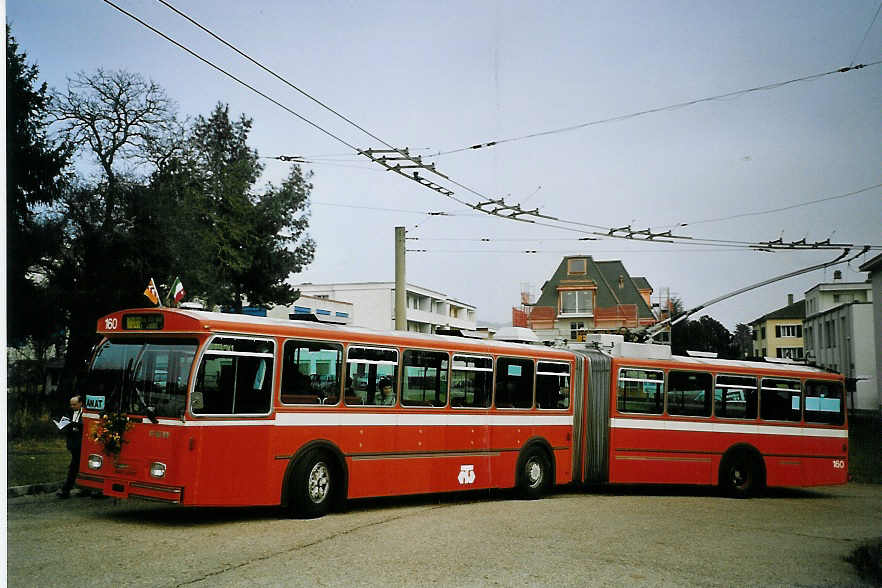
177	516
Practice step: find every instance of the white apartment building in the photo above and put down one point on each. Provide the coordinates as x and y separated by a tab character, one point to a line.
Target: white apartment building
324	309
825	296
838	335
373	306
874	267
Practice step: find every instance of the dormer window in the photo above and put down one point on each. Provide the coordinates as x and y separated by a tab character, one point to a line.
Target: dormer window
577	267
576	302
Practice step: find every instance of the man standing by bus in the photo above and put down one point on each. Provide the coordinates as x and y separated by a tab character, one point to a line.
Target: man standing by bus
73	432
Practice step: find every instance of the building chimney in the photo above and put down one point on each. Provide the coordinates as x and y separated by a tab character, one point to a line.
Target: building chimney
789	299
837	275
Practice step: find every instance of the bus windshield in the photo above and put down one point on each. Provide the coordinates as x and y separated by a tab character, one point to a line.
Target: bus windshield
141	376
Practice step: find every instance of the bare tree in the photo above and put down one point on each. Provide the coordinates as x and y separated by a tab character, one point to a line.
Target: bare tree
122	118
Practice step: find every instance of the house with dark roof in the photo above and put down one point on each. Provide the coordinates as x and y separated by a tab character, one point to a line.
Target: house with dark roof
779	333
588	296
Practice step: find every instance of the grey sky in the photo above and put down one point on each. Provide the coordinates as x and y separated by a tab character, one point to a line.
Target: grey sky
445	75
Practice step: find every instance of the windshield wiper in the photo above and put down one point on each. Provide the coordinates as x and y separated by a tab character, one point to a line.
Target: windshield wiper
131	385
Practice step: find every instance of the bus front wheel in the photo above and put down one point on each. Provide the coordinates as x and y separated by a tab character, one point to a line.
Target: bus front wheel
315	480
534	473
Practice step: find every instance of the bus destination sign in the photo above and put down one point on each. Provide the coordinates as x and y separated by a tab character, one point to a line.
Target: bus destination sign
142	322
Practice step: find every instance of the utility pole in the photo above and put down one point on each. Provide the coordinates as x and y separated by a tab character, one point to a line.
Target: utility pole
400	284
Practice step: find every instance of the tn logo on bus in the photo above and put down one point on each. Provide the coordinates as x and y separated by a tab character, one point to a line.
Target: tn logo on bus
466	474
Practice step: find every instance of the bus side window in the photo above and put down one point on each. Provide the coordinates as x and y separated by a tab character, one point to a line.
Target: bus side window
552	385
780	400
471	381
424	379
253	387
689	393
367	368
514	383
235	377
311	372
735	397
824	402
640	390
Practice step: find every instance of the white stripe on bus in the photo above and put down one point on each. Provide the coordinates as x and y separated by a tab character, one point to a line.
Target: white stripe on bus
718	427
344	419
417	419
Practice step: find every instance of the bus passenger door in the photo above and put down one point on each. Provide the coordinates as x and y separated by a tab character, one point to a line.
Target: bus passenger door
231	403
470	460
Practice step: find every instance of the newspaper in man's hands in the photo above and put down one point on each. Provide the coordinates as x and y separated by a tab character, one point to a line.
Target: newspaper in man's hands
62	422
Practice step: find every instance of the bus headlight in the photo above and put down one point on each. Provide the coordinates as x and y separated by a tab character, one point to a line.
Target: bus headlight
157	469
95	462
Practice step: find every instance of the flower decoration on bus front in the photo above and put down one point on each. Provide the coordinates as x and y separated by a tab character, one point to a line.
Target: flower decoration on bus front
110	432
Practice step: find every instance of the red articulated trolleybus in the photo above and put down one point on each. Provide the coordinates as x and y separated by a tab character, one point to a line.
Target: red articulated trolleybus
234	410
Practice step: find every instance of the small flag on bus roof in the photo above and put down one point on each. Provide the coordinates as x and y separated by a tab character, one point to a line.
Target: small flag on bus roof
152	293
177	290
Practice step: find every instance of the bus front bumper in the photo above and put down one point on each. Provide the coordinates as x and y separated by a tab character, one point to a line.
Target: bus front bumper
122	488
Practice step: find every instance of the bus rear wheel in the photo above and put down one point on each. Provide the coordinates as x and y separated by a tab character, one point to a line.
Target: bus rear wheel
314	485
741	474
534	473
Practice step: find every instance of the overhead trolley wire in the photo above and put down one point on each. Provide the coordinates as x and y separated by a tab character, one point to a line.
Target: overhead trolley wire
676	106
571	251
384	209
229	75
866	34
771	210
495	207
274	74
447	193
307	95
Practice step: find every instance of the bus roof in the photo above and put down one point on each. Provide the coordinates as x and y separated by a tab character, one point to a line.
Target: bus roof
200	321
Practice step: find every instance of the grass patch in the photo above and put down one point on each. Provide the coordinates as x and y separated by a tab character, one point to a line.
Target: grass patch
36	461
865	449
867	560
32	422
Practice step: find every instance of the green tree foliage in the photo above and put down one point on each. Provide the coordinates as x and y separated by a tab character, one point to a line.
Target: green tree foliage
742	342
166	200
704	334
34	181
249	243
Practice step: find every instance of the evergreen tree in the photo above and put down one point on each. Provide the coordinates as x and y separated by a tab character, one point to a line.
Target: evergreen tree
742	342
248	243
34	181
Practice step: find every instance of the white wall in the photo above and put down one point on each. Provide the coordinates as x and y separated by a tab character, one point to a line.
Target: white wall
374	304
866	396
821	297
854	352
877	331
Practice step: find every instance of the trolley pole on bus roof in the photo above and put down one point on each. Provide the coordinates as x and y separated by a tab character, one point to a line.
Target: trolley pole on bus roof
400	287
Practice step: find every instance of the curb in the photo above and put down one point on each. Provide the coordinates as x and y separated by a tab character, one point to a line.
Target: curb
16	491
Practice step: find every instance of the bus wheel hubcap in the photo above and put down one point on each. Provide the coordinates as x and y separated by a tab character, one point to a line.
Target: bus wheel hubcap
534	473
319	482
738	477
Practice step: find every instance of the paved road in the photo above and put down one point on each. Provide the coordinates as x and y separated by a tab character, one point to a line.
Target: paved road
624	537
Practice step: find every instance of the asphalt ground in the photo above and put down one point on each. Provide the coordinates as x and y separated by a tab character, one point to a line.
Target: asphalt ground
612	536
